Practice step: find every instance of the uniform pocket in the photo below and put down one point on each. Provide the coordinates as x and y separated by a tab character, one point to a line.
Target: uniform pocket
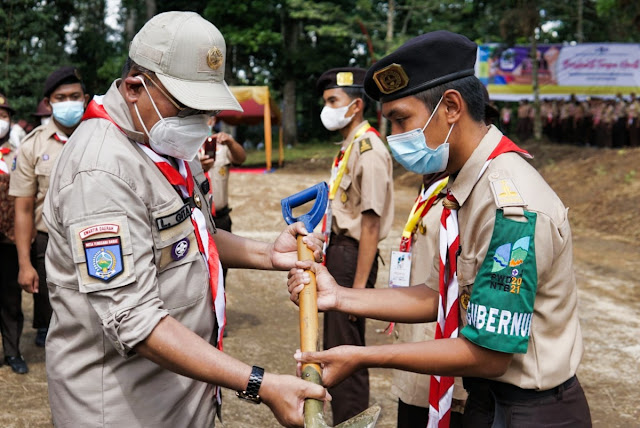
102	252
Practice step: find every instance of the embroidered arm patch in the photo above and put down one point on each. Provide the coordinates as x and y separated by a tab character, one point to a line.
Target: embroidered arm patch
500	309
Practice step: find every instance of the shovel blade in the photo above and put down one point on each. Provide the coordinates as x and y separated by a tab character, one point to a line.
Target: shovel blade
313	416
366	419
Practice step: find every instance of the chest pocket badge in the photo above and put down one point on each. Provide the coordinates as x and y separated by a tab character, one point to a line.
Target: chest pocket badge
104	258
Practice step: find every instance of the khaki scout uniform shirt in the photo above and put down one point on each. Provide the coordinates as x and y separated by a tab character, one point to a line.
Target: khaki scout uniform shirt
104	187
38	153
219	174
413	388
367	184
555	341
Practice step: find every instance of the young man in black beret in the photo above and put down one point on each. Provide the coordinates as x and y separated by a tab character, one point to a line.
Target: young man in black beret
507	301
359	216
65	95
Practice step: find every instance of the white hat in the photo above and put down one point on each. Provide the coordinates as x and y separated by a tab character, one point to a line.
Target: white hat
187	53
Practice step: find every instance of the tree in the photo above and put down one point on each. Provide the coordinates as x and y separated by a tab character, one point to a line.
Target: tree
32	37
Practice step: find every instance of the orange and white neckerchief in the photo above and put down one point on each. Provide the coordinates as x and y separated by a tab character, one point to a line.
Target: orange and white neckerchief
337	172
441	387
4	168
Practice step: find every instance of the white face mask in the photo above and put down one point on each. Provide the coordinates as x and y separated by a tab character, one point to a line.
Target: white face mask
333	118
4	127
178	137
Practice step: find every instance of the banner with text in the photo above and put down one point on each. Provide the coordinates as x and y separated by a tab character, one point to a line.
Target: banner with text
590	69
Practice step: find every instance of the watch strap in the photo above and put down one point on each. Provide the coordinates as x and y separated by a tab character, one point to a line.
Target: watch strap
255	381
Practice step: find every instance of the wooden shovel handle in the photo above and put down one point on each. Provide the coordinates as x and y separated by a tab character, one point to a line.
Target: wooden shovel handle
308	308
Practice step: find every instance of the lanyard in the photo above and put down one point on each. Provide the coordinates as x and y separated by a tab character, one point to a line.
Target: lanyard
341	161
423	203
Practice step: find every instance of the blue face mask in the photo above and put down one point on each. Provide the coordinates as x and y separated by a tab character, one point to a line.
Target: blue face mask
411	151
68	113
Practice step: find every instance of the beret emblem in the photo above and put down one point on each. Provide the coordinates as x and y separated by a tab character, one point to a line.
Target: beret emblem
391	78
344	78
214	58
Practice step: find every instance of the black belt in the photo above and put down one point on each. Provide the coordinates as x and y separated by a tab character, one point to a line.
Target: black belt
343	241
221	212
514	393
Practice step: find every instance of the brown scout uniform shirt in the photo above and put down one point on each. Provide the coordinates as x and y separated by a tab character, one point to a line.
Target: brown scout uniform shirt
367	184
38	152
413	388
104	186
555	340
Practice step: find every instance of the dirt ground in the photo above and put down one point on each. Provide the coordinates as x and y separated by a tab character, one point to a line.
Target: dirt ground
601	188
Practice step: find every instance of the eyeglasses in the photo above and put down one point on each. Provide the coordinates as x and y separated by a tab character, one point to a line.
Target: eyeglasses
183	111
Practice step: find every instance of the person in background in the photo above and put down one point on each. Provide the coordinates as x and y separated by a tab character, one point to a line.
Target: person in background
17	133
66	96
11	316
358	217
43	112
225	152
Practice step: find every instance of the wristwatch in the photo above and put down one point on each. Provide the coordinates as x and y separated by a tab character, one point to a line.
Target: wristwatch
255	380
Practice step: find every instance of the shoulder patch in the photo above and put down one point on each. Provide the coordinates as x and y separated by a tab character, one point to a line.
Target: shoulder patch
104	258
506	193
365	145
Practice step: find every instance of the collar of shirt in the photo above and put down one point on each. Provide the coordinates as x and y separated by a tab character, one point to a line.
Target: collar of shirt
352	135
118	110
467	177
51	129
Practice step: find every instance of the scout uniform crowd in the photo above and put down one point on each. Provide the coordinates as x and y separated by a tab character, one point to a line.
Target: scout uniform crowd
135	256
595	122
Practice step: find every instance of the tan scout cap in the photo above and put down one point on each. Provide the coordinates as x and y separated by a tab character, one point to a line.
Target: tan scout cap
187	53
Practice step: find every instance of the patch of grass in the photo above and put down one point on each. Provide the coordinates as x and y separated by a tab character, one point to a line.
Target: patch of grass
630	176
601	170
314	151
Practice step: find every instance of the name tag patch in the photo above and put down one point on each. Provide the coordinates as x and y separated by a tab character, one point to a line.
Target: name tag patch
104	258
174	219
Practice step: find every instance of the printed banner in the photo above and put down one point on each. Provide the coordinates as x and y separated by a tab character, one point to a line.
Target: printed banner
598	69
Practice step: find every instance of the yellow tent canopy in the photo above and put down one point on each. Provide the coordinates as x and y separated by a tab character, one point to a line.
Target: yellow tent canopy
258	107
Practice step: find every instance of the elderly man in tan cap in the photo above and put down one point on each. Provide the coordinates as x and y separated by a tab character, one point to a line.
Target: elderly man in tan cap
133	266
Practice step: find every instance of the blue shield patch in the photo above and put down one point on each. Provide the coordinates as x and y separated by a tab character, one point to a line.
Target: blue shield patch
104	258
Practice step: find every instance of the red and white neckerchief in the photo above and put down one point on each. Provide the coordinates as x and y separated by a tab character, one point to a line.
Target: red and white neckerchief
182	179
60	137
441	387
4	168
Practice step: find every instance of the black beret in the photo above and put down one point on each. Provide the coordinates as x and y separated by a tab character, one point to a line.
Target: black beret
345	77
423	62
4	103
63	75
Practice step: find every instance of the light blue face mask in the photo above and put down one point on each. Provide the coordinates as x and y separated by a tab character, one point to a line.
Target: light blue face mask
68	113
411	151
